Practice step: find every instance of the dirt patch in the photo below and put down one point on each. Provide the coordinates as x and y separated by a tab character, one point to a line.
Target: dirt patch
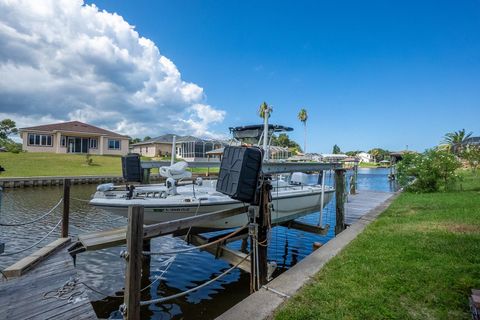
462	228
448	227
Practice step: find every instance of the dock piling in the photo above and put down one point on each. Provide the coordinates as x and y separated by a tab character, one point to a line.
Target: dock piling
134	263
66	207
339	200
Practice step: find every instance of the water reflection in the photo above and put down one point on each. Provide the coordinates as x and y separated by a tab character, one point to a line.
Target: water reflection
105	269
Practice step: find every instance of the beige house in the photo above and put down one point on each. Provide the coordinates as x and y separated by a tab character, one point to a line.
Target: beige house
73	137
155	147
188	148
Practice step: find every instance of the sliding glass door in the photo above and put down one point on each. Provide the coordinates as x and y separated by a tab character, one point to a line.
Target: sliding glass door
77	145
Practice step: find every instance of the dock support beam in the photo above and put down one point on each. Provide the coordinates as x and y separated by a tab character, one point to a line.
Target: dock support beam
339	200
262	223
66	207
134	263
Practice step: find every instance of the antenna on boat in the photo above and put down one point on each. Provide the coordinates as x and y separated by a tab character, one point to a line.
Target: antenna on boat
174	147
265	132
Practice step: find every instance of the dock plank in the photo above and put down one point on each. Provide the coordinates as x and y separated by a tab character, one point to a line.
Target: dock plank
363	202
23	297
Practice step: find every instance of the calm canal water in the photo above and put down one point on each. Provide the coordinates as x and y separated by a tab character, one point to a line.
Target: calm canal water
105	270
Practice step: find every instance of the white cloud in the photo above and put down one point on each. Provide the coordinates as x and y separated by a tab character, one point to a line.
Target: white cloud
64	60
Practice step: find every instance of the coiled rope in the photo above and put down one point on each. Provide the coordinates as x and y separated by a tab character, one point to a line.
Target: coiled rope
198	247
181	294
33	245
34	220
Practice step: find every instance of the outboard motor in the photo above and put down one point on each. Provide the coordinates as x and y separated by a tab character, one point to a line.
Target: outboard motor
171	186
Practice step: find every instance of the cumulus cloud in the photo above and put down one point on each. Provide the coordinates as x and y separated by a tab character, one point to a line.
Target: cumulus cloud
65	60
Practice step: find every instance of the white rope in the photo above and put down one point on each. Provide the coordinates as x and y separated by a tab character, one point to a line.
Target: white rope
195	248
46	236
78	199
181	294
35	220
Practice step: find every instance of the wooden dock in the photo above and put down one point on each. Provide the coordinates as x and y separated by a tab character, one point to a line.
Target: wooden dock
24	297
361	203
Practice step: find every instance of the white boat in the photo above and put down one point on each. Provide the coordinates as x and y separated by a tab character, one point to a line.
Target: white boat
290	200
293	196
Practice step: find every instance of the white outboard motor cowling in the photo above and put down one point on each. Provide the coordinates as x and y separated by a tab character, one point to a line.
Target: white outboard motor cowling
171	185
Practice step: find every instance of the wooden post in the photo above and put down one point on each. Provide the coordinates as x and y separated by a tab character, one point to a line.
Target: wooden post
146	260
264	223
146	176
66	207
353	189
340	200
134	262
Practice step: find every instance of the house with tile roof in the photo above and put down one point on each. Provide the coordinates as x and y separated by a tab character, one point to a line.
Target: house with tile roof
73	137
188	148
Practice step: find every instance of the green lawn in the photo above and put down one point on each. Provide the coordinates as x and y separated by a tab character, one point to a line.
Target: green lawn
367	165
33	164
419	260
29	164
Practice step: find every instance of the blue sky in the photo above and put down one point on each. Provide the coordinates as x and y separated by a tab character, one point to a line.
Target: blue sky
370	73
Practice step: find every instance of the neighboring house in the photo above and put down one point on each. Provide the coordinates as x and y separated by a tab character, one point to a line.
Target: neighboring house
365	157
155	147
308	157
188	148
329	157
472	141
73	137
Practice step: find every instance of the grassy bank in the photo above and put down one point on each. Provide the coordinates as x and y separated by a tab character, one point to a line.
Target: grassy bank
30	164
419	260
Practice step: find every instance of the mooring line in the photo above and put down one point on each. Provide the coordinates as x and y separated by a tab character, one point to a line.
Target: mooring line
33	221
181	294
46	236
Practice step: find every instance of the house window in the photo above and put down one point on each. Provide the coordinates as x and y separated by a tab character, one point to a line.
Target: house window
41	140
146	149
93	143
63	141
113	144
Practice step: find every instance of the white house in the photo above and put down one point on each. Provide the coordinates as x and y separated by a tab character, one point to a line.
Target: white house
329	157
365	157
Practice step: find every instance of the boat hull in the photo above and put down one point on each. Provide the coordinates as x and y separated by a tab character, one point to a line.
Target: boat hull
285	208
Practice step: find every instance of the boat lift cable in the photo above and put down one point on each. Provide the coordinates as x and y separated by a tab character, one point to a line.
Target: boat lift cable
181	294
149	253
34	220
33	245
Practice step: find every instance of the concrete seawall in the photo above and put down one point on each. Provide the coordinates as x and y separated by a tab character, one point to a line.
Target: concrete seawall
22	182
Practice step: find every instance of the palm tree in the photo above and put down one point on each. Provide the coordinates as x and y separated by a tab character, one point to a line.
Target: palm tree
456	139
303	117
262	110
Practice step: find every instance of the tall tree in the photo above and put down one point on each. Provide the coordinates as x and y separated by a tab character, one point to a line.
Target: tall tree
303	117
7	127
456	139
262	110
146	138
336	150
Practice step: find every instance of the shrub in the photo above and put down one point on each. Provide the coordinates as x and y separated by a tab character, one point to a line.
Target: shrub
429	171
472	155
88	159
